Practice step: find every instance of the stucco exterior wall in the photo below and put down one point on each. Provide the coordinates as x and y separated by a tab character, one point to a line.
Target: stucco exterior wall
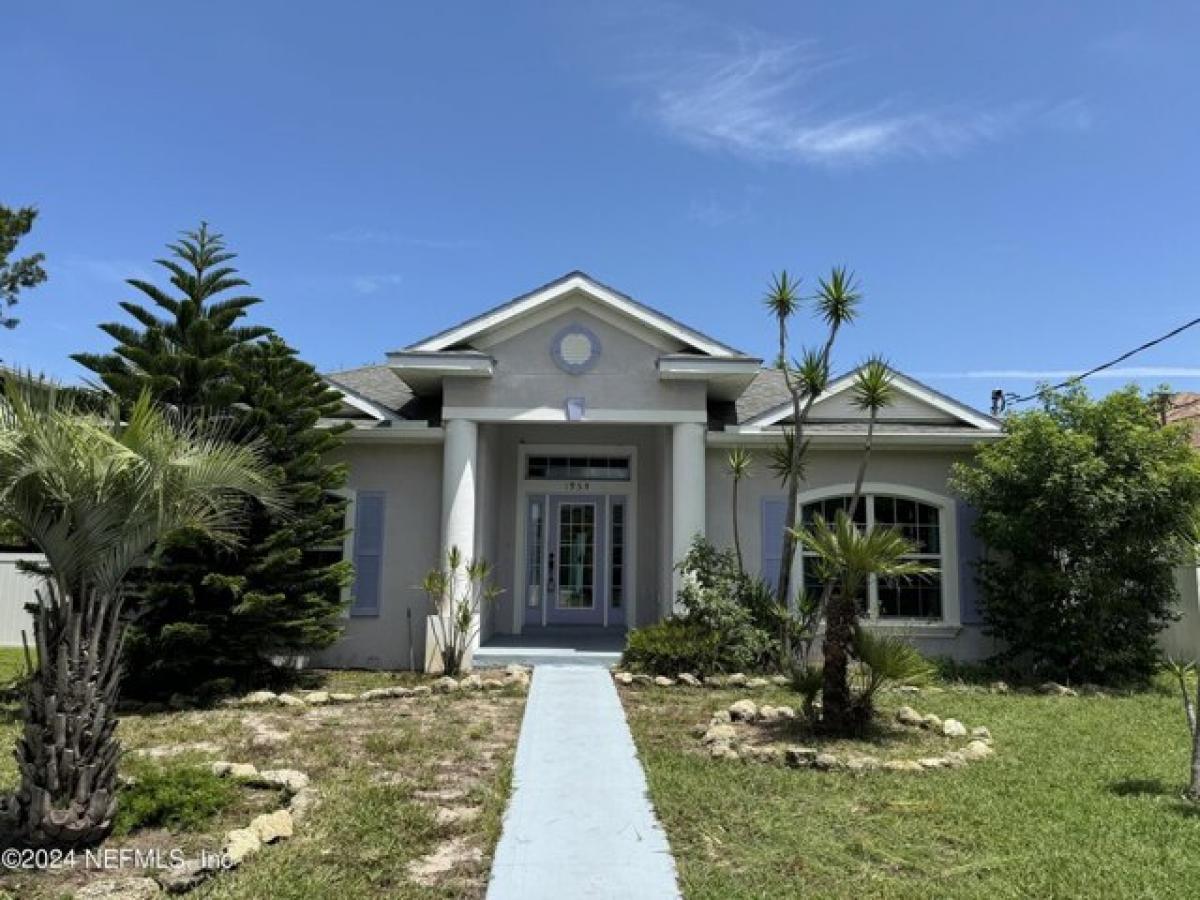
411	478
1182	639
624	376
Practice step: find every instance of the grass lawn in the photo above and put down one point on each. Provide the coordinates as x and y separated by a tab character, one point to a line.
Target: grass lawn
12	663
400	781
1081	800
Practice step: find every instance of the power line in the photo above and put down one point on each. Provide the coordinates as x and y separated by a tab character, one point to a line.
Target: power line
1075	379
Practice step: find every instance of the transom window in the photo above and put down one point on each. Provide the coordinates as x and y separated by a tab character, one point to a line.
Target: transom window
883	598
577	468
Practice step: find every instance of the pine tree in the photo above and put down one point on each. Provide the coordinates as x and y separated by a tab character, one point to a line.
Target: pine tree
210	619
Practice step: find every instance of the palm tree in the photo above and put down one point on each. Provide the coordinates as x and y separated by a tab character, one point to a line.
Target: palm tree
95	492
739	462
846	556
836	301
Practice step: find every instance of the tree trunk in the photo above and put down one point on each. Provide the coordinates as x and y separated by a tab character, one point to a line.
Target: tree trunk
67	753
737	532
837	713
1193	791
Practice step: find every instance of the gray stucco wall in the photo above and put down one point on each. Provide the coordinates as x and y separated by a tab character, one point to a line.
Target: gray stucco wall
411	478
624	376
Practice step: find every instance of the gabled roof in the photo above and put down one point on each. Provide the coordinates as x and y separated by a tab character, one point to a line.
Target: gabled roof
574	283
939	405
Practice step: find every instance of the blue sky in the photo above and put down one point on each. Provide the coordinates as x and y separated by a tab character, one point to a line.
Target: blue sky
1015	184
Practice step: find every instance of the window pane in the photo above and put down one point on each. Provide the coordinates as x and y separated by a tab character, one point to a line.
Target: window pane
911	598
576	555
617	568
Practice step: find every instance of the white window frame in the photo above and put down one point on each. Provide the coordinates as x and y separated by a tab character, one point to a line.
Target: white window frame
951	620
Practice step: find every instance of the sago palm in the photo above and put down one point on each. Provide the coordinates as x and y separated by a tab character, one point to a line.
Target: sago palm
847	556
95	492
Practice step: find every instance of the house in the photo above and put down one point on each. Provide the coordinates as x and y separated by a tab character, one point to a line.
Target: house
576	439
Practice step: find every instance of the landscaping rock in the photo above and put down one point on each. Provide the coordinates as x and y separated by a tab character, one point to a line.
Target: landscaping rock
862	764
259	698
906	715
981	733
723	750
239	770
765	754
720	717
445	685
184	877
718	734
240	844
625	678
168	750
644	680
302	803
220	769
932	722
998	687
715	681
421	690
932	762
291	780
517	669
902	765
289	700
1054	689
386	693
343	698
471	683
455	815
757	683
119	889
977	750
785	712
954	728
768	714
800	757
271	827
689	679
826	761
664	681
317	698
737	679
780	680
743	711
955	759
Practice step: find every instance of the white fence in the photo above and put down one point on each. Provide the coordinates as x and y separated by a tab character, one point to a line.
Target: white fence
16	589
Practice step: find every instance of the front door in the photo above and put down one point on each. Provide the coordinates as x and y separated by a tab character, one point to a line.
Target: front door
574	561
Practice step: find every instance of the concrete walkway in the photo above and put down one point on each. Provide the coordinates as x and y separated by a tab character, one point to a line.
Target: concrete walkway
579	824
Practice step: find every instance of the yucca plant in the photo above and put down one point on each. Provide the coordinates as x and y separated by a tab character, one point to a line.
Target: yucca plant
847	556
457	594
95	492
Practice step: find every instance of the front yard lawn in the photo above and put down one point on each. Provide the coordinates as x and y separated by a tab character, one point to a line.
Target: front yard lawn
1082	799
411	791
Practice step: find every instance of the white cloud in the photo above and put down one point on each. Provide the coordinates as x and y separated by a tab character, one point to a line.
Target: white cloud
371	284
1060	374
767	99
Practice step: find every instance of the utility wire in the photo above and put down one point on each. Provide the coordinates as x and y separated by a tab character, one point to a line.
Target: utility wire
1112	362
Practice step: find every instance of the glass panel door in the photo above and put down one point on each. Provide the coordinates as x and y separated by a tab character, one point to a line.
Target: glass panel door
576	555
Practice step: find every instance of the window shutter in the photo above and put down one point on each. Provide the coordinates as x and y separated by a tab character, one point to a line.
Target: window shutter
368	553
774	511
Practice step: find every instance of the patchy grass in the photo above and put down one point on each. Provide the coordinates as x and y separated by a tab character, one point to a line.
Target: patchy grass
1081	800
400	780
12	664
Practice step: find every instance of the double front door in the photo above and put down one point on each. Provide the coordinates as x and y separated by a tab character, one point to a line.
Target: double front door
576	548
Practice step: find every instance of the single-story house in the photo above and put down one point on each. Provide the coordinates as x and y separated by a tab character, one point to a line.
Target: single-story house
577	440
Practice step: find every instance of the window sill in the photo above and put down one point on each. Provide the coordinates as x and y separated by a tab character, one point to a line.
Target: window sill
915	628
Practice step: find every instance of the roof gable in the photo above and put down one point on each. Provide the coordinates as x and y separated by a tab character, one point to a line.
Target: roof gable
575	290
915	403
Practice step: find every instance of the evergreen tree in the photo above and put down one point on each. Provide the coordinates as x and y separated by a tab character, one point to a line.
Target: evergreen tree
209	618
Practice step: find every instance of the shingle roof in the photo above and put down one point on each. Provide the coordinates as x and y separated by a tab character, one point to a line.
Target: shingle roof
380	385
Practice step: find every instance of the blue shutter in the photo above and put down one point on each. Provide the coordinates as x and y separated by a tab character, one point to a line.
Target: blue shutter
368	553
774	511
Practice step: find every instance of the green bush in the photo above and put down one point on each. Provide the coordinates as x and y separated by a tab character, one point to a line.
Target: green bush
178	799
670	647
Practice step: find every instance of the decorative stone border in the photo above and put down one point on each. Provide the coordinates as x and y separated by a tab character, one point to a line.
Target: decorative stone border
488	680
722	740
238	844
687	679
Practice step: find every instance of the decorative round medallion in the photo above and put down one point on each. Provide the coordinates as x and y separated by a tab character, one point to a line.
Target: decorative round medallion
575	349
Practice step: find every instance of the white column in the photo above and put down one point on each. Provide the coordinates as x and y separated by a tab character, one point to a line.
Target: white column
687	493
459	460
458	487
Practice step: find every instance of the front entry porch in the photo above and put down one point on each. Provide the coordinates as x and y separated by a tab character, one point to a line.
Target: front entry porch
587	645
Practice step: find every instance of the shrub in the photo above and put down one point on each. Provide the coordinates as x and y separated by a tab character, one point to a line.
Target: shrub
179	799
1086	507
885	659
672	646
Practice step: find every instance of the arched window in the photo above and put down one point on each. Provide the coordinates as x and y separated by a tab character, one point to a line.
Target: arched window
882	598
